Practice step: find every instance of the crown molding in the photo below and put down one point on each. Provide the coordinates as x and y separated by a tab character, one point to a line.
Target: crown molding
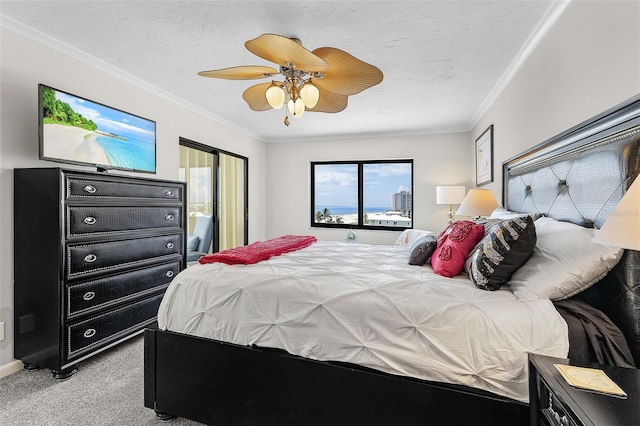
545	25
64	48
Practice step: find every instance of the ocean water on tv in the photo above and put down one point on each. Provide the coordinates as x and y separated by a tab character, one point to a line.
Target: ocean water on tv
133	153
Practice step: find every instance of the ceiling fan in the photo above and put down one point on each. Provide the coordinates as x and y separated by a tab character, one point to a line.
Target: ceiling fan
320	80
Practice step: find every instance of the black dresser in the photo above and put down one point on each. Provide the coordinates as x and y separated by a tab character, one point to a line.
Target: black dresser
93	255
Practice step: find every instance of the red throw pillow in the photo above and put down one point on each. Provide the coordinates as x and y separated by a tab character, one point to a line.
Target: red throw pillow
454	245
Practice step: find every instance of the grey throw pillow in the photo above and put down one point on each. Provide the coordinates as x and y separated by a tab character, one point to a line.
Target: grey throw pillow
422	249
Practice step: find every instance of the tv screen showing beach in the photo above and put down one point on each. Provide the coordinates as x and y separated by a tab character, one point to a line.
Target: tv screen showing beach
79	131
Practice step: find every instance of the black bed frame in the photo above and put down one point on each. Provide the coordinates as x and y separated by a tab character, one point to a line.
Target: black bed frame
221	383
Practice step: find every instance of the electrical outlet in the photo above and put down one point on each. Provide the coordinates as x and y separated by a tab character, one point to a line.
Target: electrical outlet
1	331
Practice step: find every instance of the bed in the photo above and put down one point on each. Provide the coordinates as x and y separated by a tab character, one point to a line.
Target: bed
446	352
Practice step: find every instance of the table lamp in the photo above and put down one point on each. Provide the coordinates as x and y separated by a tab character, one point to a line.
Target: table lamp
478	202
622	228
449	195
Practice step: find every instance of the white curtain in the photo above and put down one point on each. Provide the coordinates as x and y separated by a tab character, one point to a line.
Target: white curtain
231	217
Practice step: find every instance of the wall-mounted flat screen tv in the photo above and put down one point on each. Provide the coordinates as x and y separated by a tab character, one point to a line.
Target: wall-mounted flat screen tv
76	130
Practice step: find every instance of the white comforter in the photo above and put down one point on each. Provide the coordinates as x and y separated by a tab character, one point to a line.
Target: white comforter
364	304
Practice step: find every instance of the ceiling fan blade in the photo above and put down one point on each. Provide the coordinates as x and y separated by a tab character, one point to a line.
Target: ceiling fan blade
346	74
284	51
330	102
256	98
248	72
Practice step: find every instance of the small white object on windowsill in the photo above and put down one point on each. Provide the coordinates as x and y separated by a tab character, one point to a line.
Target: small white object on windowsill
352	237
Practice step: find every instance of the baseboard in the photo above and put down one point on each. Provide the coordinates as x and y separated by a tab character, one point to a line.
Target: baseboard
12	367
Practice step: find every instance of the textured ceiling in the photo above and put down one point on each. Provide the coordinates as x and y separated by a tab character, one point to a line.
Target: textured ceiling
442	60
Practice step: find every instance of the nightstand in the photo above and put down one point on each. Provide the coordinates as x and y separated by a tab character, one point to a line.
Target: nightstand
553	402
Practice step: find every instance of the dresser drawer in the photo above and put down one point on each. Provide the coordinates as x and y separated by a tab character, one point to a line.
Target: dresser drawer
88	188
111	325
100	220
105	292
86	258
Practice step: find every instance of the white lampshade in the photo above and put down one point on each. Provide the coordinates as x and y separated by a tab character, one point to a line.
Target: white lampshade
478	202
296	108
449	194
275	96
310	94
622	228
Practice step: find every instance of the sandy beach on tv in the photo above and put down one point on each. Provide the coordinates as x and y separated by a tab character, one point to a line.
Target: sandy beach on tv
73	143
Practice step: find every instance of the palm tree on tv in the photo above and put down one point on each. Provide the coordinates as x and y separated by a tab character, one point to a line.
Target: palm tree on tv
58	112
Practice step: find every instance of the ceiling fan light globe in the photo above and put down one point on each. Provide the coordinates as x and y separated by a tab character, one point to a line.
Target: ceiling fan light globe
275	96
310	94
296	108
299	107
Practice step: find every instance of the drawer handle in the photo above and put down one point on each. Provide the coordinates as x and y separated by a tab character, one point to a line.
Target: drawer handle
90	189
89	295
170	245
168	193
89	220
90	258
89	333
169	217
169	274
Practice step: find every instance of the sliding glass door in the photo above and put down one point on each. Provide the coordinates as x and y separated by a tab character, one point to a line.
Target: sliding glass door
217	196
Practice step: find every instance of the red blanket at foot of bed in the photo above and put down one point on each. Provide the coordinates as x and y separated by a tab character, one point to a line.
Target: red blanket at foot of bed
260	250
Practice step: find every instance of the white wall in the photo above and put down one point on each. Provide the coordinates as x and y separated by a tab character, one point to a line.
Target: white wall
443	159
587	63
24	64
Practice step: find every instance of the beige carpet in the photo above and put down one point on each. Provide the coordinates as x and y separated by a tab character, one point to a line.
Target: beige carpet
107	390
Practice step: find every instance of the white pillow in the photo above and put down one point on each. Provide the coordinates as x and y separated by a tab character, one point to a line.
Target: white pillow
564	262
408	237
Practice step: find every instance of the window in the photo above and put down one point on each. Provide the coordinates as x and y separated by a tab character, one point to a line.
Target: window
362	194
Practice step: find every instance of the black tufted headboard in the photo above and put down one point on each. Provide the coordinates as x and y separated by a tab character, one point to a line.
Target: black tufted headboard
579	176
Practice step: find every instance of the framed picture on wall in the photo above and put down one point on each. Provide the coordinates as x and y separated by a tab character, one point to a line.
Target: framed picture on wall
484	157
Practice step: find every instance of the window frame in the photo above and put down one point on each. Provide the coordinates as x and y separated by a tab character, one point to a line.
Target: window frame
360	164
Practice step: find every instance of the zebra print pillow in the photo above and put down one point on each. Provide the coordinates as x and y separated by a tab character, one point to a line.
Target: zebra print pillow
505	247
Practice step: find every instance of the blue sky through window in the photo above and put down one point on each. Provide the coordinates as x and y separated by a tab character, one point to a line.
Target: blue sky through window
337	184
